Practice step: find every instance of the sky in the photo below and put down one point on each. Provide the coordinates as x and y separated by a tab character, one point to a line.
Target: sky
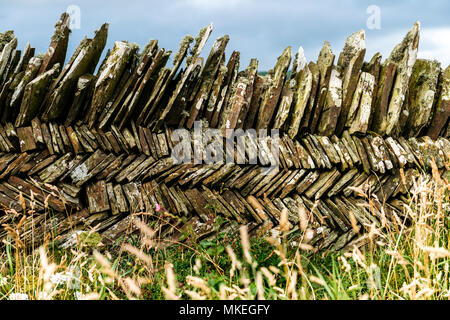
257	28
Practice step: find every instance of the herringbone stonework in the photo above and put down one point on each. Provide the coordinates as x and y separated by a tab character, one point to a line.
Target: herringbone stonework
82	149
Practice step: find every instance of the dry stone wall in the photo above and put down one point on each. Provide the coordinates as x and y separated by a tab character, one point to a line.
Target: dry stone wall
81	149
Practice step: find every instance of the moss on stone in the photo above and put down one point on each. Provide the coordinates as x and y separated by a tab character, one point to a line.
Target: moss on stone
90	239
5	38
400	50
184	46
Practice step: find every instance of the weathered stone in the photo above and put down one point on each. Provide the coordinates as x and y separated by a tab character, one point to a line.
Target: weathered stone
37	132
342	183
332	105
302	92
148	112
177	60
358	116
83	61
271	96
9	64
230	115
97	197
107	81
26	140
442	110
351	147
208	75
325	66
56	169
349	65
397	150
226	89
56	53
251	74
34	95
191	62
381	152
374	68
286	99
81	99
28	53
291	184
313	98
380	114
315	144
65	138
140	92
30	73
5	38
421	96
404	55
215	92
128	83
344	154
329	149
7	51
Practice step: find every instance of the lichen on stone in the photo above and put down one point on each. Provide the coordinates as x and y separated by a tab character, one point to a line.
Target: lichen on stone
184	46
194	49
5	38
401	49
354	44
91	239
198	39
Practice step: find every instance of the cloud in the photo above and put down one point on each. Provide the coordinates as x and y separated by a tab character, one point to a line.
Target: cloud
257	28
434	44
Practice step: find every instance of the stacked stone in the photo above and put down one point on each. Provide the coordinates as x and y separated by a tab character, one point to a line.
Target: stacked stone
98	146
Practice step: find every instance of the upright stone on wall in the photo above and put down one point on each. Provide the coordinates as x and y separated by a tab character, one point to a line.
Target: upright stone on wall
56	52
34	95
325	65
421	96
83	61
349	65
108	79
441	113
332	105
358	116
272	94
302	91
404	55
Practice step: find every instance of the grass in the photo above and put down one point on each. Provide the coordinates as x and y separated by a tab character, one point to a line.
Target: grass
401	261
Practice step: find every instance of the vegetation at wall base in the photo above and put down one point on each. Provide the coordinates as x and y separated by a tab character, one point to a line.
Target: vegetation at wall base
410	261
